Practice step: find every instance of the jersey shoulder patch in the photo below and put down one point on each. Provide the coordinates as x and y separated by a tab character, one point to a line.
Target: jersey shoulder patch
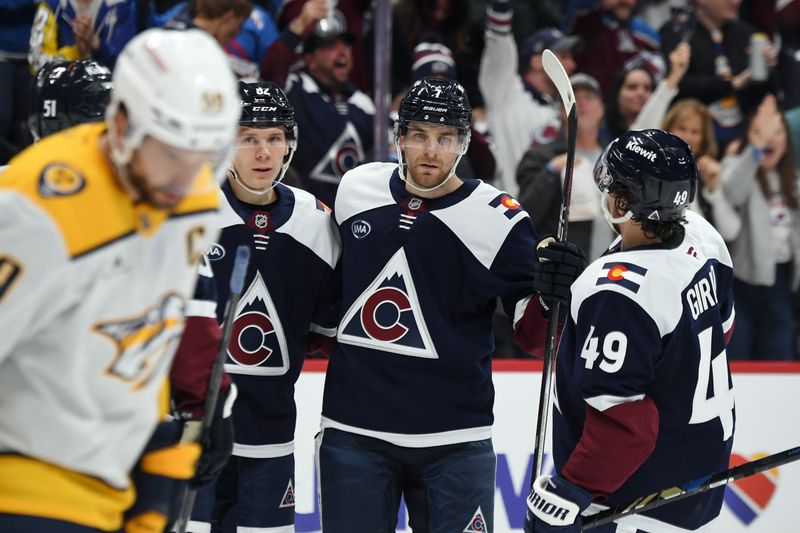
363	188
313	227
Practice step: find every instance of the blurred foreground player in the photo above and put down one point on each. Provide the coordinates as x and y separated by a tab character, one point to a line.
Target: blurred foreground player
102	229
644	395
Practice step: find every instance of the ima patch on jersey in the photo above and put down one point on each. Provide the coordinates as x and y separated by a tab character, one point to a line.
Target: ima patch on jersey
258	344
142	341
622	274
387	316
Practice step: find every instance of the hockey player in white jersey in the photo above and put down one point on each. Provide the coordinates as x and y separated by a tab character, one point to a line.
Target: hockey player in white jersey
101	230
644	398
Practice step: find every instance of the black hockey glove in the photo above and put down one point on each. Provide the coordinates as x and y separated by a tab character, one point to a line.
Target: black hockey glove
555	505
560	265
218	444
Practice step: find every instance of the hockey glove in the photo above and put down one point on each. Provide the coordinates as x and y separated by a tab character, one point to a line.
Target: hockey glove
560	265
218	444
555	506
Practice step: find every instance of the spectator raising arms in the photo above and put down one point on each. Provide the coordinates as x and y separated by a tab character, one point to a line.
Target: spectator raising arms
760	179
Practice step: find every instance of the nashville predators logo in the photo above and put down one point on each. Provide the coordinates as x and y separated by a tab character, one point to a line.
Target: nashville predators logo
145	342
60	180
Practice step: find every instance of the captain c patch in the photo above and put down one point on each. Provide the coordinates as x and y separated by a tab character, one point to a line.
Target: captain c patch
9	273
59	179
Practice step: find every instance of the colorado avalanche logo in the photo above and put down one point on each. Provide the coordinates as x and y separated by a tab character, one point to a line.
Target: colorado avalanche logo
288	496
477	524
258	345
344	154
387	315
749	497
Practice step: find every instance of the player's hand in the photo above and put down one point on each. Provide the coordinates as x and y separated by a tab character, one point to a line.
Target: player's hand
555	505
560	265
218	445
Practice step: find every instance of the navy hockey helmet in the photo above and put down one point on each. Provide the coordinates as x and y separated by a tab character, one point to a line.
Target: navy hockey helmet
436	101
657	169
66	94
264	105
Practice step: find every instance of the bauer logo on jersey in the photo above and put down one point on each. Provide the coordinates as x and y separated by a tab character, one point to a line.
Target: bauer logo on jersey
506	205
387	316
145	342
258	344
477	524
622	274
59	179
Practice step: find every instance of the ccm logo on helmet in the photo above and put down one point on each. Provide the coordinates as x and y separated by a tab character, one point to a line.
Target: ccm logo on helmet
263	109
633	146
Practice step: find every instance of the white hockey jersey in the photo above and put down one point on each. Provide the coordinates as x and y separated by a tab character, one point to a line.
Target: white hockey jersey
93	289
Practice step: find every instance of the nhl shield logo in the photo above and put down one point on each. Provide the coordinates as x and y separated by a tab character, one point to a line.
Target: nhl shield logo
261	221
477	524
414	204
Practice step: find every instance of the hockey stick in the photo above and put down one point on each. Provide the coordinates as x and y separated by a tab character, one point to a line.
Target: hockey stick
555	71
238	273
690	488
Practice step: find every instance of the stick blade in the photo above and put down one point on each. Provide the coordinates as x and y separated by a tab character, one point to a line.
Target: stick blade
555	71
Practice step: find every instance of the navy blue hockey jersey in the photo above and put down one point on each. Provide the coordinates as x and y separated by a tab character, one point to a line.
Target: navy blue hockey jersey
648	326
420	279
335	133
294	248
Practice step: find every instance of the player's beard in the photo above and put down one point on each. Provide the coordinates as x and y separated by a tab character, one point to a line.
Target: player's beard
160	199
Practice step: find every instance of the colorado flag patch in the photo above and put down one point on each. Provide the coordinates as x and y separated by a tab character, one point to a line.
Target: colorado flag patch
623	274
506	205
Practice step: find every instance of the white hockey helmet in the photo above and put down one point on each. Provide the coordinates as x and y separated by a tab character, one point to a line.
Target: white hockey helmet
177	87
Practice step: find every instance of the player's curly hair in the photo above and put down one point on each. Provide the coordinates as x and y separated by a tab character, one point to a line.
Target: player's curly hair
653	229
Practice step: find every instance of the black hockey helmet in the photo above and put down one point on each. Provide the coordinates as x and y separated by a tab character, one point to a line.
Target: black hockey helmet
66	94
264	105
436	101
657	168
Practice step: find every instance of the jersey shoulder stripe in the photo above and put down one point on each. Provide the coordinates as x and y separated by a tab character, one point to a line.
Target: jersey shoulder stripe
363	188
312	227
654	278
483	220
67	178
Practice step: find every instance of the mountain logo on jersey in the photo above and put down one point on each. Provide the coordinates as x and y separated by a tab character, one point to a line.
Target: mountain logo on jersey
344	154
145	342
9	273
477	524
258	344
748	497
387	316
288	496
623	274
507	205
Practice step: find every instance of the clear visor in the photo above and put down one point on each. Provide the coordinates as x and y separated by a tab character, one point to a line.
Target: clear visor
274	142
434	138
602	177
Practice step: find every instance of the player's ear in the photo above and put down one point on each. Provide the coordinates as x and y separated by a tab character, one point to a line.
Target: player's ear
120	122
620	206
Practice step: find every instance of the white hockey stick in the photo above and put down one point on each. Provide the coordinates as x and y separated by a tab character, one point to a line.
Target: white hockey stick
554	69
238	274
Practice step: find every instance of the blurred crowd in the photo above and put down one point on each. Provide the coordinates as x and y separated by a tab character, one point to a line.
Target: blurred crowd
724	75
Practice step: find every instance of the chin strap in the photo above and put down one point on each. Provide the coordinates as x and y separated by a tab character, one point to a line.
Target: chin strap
607	214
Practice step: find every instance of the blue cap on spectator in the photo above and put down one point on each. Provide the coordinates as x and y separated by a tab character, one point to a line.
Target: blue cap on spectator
433	59
545	38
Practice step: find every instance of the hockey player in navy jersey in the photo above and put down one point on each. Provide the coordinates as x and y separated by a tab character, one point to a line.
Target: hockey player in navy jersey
407	408
644	398
294	248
